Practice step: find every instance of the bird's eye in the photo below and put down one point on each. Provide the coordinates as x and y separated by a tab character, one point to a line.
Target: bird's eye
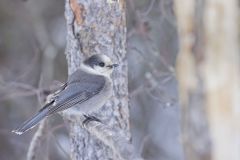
101	64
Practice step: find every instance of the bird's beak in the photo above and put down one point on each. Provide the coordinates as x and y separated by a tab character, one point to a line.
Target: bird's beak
113	66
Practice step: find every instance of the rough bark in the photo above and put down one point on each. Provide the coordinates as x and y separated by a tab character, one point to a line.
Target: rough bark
208	73
98	27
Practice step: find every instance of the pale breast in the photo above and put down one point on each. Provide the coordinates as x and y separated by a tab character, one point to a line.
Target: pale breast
98	100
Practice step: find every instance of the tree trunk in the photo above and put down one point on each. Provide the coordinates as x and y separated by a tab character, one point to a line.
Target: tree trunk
98	27
208	72
221	73
195	128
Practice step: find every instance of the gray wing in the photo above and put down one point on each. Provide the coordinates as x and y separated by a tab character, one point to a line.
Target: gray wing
80	87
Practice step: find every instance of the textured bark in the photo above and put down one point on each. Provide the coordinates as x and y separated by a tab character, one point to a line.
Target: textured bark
208	72
98	27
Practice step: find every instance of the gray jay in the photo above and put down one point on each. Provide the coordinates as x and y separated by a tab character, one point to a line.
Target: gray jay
88	88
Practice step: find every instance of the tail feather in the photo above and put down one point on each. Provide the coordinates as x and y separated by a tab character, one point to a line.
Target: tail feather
30	123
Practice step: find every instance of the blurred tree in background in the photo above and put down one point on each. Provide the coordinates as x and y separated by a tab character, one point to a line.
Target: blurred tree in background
204	32
209	78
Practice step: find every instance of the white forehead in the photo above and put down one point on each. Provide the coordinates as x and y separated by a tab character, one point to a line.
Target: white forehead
106	59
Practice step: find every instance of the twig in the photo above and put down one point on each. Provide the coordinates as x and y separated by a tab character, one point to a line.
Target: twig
17	89
149	8
60	146
170	18
145	139
36	141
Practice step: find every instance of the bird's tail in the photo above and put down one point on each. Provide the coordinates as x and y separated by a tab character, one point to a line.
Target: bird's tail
30	123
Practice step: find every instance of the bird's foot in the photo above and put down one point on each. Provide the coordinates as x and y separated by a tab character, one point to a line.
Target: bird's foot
89	118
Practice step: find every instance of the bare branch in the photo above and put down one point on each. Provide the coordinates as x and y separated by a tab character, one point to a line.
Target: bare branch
36	141
148	10
60	146
114	139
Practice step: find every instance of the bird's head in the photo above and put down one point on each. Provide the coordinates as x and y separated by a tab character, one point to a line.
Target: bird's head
99	64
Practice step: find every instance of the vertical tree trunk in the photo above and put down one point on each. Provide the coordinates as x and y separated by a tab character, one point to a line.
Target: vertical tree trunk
195	128
221	72
209	83
98	27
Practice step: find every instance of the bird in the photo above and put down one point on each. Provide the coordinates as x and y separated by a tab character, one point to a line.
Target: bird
88	88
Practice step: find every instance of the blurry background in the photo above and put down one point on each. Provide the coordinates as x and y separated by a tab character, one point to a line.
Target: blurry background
32	44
